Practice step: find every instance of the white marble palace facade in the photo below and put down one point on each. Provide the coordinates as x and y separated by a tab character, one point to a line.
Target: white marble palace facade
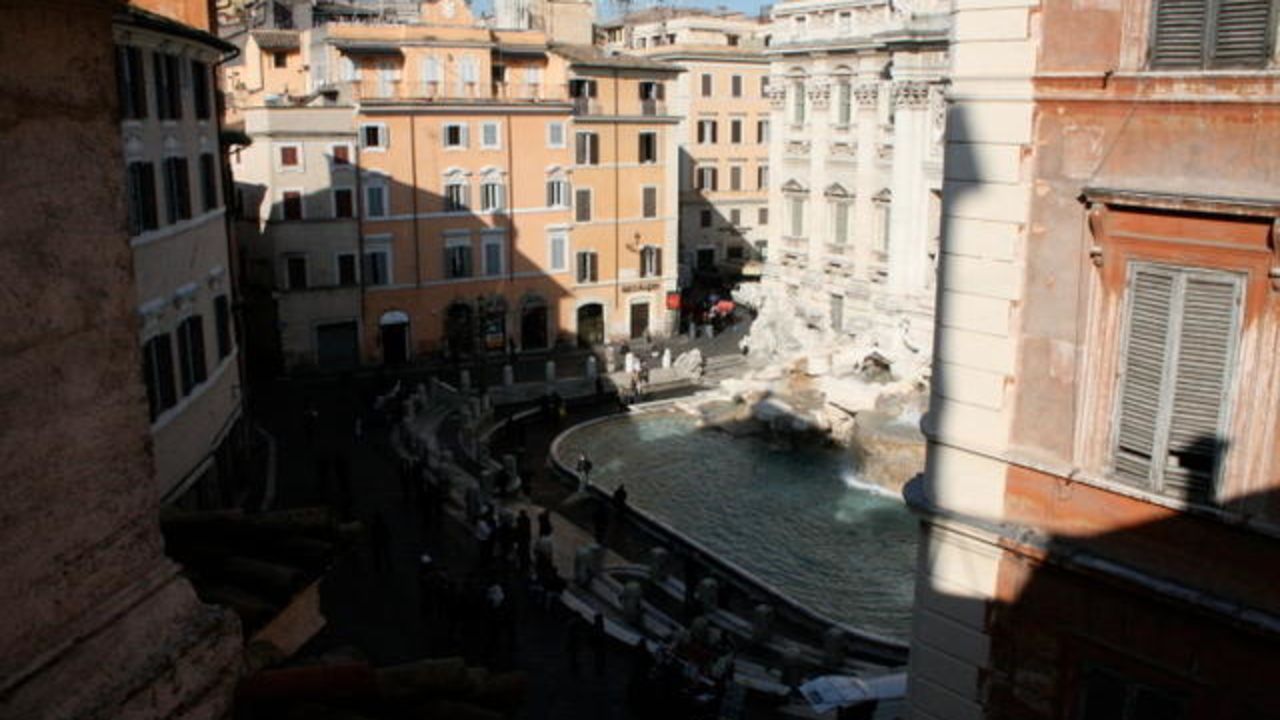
857	96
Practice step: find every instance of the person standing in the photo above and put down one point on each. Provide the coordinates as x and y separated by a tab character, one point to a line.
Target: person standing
583	467
544	523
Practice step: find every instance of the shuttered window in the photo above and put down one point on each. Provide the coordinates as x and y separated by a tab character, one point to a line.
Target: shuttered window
1181	335
1211	33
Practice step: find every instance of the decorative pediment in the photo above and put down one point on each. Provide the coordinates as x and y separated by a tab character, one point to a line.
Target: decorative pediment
794	186
885	195
836	190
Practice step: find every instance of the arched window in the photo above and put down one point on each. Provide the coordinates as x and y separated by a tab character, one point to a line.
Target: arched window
456	191
492	191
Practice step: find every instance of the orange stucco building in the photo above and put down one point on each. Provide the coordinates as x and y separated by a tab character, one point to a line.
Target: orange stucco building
1102	502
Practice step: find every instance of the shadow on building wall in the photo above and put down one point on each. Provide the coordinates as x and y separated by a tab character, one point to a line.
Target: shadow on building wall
1105	606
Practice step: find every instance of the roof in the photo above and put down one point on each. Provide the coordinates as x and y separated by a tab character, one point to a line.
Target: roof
138	17
367	47
276	39
678	51
657	14
592	56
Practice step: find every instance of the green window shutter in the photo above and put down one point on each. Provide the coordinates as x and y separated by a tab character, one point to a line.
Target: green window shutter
1177	38
1241	33
1151	293
1206	352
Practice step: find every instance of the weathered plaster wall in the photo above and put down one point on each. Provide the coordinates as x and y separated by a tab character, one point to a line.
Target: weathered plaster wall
94	614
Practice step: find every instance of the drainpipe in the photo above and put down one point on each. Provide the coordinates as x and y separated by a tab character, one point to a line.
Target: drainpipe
413	169
617	204
360	210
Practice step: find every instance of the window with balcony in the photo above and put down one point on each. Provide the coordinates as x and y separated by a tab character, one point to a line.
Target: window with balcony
648	151
651	96
191	361
1205	34
157	373
131	83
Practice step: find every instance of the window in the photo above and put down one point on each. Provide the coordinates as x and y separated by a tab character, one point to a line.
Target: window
457	259
455	135
491	196
166	70
558	246
222	325
735	86
648	147
291	204
762	177
844	102
797	102
191	353
1105	695
208	182
704	219
649	201
580	88
732	40
650	90
468	76
764	85
493	243
836	312
706	85
587	148
557	193
706	178
796	205
582	205
430	75
840	222
200	88
650	261
131	84
588	266
734	252
489	138
377	267
707	131
735	217
735	131
374	136
280	59
375	200
347	269
177	189
555	134
295	268
1211	33
455	195
142	198
289	157
1181	334
735	177
343	203
157	373
762	131
341	155
762	216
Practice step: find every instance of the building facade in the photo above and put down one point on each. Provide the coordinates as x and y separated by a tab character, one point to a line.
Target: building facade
855	161
98	622
1100	501
722	102
495	192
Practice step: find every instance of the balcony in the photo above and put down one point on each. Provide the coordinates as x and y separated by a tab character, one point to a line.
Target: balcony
521	91
651	108
587	106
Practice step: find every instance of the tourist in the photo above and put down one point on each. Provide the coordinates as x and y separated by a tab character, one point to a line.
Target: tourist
584	471
544	523
620	501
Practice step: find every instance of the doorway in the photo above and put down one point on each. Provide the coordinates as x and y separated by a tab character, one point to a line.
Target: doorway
533	328
591	325
394	329
459	329
639	320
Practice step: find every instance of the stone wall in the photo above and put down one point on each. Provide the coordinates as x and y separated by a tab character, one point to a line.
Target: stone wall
97	622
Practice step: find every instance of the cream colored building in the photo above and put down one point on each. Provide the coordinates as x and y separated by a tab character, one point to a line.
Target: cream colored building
723	106
855	163
182	267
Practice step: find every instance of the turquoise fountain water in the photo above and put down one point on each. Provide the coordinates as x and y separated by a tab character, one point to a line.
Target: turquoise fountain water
799	520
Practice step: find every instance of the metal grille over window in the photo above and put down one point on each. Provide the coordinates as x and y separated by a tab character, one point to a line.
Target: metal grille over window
1180	342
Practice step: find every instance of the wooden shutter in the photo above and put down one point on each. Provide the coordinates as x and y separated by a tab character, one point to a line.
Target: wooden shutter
1241	33
657	262
1177	37
1151	293
1206	351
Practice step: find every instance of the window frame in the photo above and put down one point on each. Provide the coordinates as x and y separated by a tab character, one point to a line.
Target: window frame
284	204
192	361
158	374
488	239
333	201
645	191
367	277
299	164
1208	35
578	205
462	142
551	142
652	158
497	135
384	137
561	236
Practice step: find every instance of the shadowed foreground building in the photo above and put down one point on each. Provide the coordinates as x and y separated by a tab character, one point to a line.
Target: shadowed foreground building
97	623
1101	503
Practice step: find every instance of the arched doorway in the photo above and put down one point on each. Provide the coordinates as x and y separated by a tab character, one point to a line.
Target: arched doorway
459	329
393	328
591	325
533	324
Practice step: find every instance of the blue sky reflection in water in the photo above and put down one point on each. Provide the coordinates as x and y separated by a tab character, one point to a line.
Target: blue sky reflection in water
797	520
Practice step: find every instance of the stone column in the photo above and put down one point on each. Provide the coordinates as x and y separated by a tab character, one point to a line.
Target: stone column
867	96
818	135
908	216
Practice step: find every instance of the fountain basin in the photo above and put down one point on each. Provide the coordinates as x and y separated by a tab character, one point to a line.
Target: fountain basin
798	522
